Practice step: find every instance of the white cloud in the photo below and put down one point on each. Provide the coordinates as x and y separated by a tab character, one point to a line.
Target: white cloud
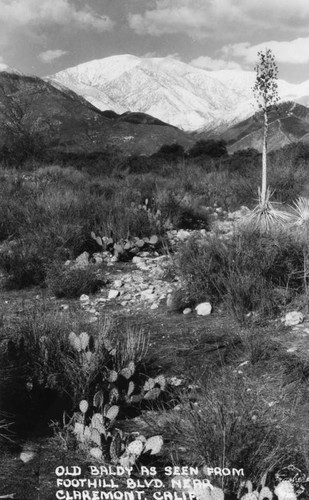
206	62
50	55
293	52
25	12
222	18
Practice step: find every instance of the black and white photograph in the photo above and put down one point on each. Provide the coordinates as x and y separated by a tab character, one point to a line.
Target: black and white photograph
154	249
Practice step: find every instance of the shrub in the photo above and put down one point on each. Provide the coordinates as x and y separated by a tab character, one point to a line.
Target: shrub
180	215
245	272
210	147
235	423
57	358
23	264
71	282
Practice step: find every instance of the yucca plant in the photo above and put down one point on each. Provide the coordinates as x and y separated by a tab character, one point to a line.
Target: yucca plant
300	220
265	217
301	211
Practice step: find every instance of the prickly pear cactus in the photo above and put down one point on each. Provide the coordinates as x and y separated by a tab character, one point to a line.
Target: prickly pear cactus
153	445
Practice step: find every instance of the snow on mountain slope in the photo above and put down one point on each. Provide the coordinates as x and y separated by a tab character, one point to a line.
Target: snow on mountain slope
175	92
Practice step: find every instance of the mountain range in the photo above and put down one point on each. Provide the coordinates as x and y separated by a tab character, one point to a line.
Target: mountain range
34	112
134	105
180	94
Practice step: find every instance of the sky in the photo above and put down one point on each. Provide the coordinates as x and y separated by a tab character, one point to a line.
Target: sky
42	37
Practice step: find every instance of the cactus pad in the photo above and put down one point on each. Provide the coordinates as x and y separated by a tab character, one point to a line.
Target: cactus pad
265	493
126	373
84	340
135	447
83	406
160	380
112	412
152	394
149	384
96	453
130	388
97	423
96	437
154	445
98	399
112	376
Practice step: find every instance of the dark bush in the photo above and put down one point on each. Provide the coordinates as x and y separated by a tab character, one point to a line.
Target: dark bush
71	282
212	148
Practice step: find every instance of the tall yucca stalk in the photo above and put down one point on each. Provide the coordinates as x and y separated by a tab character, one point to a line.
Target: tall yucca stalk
265	217
265	91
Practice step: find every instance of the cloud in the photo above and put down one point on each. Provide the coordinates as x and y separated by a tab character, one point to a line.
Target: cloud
62	12
292	52
202	18
50	55
206	62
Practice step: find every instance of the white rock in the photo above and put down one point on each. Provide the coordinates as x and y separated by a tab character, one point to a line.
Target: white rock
148	295
293	318
187	310
84	298
136	259
98	258
114	259
118	283
82	261
169	300
182	234
26	456
203	309
113	294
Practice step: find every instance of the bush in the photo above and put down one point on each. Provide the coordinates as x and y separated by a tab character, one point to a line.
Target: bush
23	264
245	272
181	216
52	369
212	148
234	423
71	282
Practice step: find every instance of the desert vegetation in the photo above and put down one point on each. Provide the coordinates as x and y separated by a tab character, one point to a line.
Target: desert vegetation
108	385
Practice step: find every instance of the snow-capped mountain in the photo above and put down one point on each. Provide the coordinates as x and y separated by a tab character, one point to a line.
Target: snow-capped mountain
175	92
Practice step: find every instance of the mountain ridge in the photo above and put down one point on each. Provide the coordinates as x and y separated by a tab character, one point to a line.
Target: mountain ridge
178	93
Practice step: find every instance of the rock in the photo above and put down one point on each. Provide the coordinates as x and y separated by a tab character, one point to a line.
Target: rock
137	259
203	309
293	318
187	310
182	234
82	261
84	298
148	295
113	294
92	319
98	258
154	306
169	300
118	283
114	259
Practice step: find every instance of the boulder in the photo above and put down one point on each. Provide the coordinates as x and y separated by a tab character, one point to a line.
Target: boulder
113	294
82	261
293	318
203	309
